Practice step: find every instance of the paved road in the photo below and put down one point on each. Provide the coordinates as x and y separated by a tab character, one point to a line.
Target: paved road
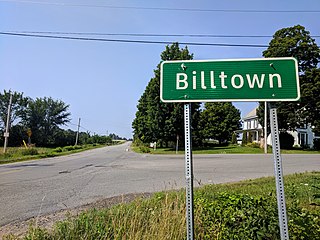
48	185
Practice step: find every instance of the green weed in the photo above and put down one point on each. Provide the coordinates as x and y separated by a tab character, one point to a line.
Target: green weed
244	210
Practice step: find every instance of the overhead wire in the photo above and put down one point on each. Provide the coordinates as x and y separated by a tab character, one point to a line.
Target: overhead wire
147	34
132	41
162	8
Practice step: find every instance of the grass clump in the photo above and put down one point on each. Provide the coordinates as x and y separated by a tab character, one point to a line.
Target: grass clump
29	151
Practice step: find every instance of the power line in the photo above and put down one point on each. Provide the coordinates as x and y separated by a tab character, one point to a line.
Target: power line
147	34
163	8
132	41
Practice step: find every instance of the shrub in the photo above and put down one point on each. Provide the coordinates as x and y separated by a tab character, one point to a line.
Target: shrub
58	149
316	144
253	145
244	138
144	149
286	140
303	224
77	147
237	216
234	138
29	151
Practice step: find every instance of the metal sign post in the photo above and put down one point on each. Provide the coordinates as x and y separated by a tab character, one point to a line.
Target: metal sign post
189	171
283	223
231	80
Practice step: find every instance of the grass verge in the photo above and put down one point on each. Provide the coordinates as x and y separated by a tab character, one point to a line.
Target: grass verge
230	149
244	210
18	154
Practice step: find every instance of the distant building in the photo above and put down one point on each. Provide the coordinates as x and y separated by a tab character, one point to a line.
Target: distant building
252	126
303	136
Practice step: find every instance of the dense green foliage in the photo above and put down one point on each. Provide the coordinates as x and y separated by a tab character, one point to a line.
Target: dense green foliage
18	107
238	216
244	210
244	138
310	102
163	123
219	121
234	138
296	42
286	140
158	121
43	118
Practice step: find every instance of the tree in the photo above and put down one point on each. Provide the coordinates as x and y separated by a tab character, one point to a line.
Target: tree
158	121
219	120
244	141
18	107
44	116
310	103
296	42
234	138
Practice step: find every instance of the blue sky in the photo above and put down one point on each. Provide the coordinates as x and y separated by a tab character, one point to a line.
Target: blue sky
103	81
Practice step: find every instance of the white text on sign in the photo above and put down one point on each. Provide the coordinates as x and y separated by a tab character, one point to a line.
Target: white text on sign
237	81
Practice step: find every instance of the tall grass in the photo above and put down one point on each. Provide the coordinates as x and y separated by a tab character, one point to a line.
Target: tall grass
17	154
244	210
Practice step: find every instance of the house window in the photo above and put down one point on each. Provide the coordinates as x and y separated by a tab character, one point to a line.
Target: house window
249	124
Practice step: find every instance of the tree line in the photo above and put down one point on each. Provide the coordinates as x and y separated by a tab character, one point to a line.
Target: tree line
163	123
39	121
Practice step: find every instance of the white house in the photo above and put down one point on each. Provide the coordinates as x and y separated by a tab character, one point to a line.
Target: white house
252	125
302	136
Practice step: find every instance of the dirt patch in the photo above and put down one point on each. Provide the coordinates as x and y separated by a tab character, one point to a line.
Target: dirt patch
47	221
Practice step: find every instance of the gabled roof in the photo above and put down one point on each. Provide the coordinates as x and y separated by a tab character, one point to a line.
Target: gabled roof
252	114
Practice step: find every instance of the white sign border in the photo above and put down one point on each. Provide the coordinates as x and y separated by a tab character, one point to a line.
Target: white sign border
230	100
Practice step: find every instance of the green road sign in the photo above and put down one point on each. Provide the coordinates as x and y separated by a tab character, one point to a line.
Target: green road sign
264	79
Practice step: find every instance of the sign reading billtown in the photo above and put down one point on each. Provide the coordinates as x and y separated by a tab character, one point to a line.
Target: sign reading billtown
263	79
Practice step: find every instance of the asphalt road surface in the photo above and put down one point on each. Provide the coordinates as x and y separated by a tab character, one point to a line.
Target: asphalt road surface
33	188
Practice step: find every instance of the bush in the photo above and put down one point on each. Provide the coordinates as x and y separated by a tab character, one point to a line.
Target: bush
286	140
234	138
244	138
144	149
241	216
58	149
237	216
253	145
303	224
77	147
29	151
316	144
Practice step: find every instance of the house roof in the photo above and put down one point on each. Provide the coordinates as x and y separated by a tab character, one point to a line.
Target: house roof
252	114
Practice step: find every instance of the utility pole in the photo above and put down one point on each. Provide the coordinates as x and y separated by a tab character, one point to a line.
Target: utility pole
6	133
77	136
